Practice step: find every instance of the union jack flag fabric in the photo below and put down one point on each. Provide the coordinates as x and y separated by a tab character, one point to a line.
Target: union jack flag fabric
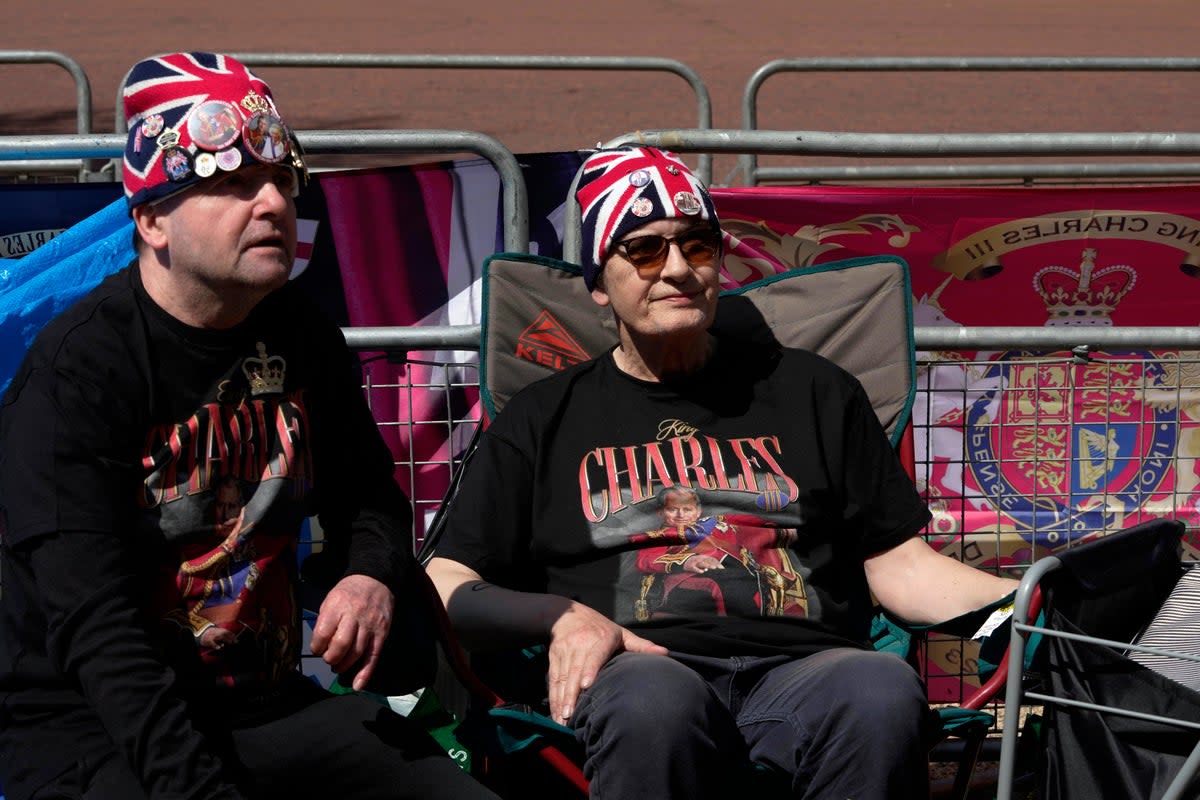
623	189
162	94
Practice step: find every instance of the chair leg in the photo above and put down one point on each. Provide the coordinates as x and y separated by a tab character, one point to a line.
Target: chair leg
972	745
1029	742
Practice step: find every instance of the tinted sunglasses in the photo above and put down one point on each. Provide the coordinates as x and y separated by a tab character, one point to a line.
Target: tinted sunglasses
700	247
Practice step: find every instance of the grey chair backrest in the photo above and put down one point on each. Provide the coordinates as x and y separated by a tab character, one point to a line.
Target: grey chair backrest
538	317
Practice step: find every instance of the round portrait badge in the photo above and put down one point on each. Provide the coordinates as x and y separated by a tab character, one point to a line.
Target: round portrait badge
641	207
639	178
687	202
266	137
214	125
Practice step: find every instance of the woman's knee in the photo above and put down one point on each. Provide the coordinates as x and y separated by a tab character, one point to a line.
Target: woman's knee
637	691
651	726
879	690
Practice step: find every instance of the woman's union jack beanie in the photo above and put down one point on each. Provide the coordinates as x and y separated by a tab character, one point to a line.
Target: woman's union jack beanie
625	188
192	115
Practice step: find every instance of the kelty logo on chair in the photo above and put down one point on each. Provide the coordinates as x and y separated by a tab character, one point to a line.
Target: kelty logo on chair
547	342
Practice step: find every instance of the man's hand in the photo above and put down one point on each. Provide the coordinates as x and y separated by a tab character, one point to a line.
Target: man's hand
352	625
581	641
699	563
215	638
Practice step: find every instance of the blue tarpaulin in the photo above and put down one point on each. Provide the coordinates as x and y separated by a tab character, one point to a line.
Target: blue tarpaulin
37	287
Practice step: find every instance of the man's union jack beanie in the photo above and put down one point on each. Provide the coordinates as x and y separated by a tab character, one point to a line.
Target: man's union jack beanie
192	115
625	188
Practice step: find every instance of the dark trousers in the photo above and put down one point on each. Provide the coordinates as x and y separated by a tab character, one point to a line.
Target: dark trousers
841	724
341	746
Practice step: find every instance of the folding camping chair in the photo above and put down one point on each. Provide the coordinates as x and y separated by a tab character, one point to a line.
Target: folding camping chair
538	317
1112	726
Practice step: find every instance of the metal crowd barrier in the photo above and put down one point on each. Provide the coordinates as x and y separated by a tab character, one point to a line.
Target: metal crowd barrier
488	62
514	195
83	106
1081	341
753	173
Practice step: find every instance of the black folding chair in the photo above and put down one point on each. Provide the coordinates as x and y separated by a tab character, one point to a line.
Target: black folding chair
1112	727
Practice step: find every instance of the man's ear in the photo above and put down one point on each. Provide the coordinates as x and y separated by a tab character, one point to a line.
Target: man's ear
598	293
149	224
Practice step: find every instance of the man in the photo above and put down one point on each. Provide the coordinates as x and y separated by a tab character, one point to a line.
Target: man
556	501
160	448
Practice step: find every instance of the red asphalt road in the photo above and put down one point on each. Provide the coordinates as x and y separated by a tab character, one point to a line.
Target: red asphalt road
724	42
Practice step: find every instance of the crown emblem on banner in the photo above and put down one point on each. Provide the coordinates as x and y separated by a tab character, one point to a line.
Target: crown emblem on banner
1086	297
265	373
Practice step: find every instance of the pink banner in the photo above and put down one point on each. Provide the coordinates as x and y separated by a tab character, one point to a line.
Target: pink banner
970	248
409	244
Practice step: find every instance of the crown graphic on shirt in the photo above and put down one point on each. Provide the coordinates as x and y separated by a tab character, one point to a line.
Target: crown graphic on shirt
1084	297
265	373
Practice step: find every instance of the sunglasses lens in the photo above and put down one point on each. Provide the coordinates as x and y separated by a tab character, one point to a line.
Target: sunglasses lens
701	246
646	252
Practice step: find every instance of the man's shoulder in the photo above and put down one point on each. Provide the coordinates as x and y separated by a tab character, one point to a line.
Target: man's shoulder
102	316
292	308
85	346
